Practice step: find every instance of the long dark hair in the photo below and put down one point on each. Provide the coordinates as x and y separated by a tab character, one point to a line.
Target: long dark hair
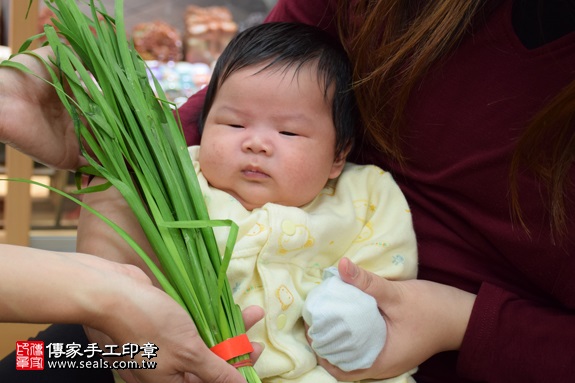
389	61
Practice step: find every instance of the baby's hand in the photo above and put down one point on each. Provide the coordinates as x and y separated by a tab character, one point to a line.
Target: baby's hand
345	325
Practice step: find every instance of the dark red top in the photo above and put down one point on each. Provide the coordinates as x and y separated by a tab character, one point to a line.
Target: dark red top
463	121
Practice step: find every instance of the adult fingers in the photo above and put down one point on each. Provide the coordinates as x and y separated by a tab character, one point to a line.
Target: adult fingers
368	282
209	368
214	369
252	315
258	349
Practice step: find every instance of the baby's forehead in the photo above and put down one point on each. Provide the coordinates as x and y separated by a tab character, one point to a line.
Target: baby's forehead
295	70
291	68
304	75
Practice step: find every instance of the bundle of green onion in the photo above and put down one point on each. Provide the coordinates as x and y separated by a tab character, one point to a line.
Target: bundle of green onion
137	145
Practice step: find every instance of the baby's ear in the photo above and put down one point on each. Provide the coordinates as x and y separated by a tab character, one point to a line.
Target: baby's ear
339	162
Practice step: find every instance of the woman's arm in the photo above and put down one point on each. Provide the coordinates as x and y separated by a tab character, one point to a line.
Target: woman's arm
495	331
423	318
119	300
513	338
34	282
95	237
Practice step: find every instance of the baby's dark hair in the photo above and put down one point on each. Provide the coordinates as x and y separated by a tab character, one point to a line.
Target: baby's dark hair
281	46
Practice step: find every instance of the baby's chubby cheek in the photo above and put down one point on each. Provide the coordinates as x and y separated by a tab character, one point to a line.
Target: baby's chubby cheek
212	158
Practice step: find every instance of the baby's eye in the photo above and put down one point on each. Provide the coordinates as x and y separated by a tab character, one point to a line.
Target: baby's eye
286	133
235	126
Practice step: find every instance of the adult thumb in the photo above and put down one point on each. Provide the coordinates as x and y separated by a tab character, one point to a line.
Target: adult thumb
364	280
209	368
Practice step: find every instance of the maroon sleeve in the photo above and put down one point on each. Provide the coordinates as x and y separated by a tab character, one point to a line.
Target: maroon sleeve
542	349
313	12
189	114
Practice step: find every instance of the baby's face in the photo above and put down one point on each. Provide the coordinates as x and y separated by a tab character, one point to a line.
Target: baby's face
269	137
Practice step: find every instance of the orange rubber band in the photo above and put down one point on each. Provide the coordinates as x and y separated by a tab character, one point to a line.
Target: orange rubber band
233	347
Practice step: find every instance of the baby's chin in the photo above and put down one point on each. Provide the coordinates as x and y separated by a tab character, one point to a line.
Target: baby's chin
248	203
253	197
255	203
251	203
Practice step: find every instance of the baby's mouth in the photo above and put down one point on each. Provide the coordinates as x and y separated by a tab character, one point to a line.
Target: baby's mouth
254	172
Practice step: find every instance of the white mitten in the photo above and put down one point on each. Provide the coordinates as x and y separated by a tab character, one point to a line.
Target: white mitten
345	325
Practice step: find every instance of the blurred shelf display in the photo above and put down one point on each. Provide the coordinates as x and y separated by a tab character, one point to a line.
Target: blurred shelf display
158	40
179	80
207	32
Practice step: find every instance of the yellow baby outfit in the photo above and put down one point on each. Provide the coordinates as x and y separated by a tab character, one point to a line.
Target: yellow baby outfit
281	252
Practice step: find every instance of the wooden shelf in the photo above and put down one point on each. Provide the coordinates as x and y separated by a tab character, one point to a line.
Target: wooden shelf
22	24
